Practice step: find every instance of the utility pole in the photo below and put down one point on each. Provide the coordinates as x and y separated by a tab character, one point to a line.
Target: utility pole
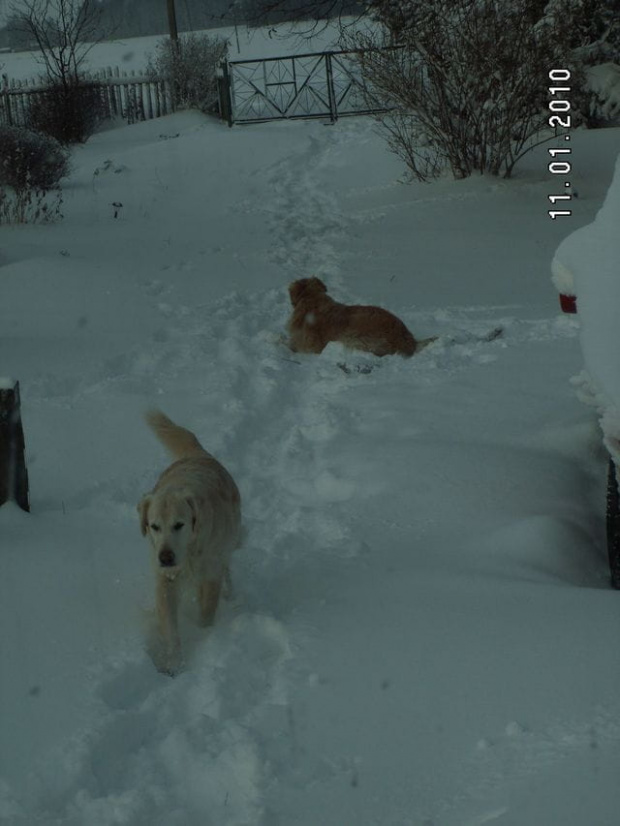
172	23
175	52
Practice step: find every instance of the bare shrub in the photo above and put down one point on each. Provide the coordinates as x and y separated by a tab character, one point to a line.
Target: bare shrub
64	31
190	65
466	82
30	206
69	112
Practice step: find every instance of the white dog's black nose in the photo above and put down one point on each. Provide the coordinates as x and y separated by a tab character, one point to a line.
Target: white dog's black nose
166	559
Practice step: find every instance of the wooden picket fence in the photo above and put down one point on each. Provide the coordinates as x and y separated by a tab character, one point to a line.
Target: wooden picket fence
125	96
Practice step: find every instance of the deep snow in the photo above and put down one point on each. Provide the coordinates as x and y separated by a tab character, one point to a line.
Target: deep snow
423	631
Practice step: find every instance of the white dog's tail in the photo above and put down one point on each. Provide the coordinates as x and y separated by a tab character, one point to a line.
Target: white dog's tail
180	442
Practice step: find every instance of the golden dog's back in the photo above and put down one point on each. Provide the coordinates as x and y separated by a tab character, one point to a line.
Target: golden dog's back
317	319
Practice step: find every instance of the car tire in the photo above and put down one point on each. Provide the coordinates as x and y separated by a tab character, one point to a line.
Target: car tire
613	525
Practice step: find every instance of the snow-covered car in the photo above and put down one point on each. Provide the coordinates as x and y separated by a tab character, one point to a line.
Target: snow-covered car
586	273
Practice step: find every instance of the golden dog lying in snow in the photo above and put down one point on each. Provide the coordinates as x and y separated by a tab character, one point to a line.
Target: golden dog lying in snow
317	319
193	520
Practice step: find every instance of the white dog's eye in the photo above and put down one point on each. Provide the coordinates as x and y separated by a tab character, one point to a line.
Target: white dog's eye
154	527
177	526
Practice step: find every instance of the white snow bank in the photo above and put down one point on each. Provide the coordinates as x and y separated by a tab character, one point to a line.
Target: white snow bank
587	264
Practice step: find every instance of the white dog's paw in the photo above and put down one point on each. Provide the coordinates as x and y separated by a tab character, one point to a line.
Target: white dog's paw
171	664
165	659
170	669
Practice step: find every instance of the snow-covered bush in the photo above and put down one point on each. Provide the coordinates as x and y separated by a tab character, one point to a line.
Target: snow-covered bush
594	38
190	65
31	166
30	160
69	112
603	84
594	27
467	81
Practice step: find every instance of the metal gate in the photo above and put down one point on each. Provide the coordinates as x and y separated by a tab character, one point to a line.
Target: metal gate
319	85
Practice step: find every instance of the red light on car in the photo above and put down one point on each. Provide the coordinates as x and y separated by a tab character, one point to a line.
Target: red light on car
568	303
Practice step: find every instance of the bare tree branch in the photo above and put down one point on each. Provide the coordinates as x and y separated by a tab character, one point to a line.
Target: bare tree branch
64	31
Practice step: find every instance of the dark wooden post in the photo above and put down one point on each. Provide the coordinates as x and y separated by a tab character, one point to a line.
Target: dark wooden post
175	53
13	473
172	23
224	92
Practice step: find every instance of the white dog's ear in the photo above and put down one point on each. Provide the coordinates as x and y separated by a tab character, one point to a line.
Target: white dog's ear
143	511
194	506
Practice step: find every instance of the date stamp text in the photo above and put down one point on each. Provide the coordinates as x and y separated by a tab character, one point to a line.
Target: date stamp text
560	118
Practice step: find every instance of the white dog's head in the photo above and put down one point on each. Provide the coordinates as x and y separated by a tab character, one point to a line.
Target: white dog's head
171	521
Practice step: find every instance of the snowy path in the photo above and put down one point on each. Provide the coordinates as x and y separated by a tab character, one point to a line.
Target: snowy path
306	222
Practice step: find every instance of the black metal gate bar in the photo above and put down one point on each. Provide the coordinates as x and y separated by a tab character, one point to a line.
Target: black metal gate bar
311	85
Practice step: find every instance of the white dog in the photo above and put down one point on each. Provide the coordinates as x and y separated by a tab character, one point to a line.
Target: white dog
193	520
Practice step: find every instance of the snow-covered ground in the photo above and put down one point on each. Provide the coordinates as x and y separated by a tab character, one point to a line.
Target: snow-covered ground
423	631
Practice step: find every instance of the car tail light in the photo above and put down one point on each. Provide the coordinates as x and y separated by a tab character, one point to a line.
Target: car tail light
568	303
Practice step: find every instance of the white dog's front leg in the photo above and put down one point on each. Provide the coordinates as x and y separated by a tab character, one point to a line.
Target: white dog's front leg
209	597
169	658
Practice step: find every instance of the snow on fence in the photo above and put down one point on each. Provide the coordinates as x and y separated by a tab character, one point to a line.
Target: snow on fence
128	96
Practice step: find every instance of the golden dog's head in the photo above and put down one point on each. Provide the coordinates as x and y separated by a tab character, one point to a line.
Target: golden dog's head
305	288
170	519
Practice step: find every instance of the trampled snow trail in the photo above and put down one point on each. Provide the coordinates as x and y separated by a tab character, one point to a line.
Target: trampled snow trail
154	735
307	224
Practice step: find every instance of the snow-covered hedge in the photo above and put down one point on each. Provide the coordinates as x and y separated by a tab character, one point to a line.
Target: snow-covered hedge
30	160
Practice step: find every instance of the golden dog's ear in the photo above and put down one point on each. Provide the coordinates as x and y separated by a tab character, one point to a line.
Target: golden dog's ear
143	511
304	287
315	285
296	290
